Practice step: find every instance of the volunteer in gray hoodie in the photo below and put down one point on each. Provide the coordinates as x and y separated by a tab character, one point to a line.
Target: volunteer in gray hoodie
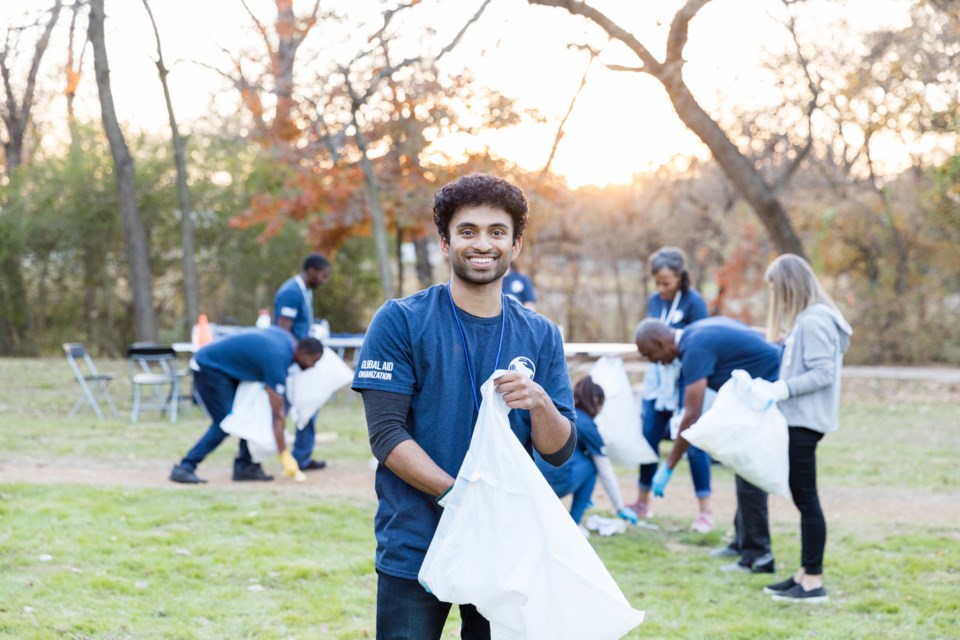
815	338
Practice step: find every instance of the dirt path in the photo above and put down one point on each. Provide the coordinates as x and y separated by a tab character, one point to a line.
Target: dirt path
866	511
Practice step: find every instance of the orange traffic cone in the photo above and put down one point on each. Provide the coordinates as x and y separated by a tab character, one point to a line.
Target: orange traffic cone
203	331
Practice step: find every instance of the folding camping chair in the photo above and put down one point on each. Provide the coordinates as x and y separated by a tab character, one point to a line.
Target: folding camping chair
154	366
93	384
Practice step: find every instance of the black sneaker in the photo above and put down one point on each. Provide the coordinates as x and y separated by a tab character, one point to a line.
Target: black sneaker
723	552
314	465
763	564
250	472
780	587
797	594
185	475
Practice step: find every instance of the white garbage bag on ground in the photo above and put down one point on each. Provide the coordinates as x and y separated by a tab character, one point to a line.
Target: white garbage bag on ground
751	440
619	419
309	390
506	544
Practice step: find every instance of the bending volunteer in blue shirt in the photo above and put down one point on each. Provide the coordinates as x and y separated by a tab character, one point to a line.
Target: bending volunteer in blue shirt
423	361
293	311
579	474
709	351
254	356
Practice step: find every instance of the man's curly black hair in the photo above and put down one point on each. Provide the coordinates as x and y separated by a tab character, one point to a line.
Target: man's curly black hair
477	189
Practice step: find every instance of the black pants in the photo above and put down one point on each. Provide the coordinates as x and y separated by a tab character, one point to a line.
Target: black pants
407	611
751	523
803	488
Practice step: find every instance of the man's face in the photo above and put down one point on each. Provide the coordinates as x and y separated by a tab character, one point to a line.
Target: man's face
481	244
316	277
306	360
661	351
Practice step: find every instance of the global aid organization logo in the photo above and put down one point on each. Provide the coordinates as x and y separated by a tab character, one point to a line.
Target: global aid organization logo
524	365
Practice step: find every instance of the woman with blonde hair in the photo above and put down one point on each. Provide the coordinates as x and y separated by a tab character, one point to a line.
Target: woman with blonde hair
815	337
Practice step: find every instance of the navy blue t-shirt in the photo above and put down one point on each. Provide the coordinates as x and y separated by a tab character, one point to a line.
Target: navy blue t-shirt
253	356
413	346
690	308
589	445
292	303
714	347
519	286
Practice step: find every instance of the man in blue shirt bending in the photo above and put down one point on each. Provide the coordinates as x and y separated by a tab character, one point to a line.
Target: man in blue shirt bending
293	311
709	350
422	364
263	356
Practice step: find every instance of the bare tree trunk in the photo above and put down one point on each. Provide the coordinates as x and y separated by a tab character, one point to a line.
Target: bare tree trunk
738	168
15	321
400	274
373	198
424	269
618	288
379	218
190	288
144	317
16	118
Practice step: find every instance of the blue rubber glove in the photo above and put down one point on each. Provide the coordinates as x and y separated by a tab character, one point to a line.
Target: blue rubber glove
660	480
628	514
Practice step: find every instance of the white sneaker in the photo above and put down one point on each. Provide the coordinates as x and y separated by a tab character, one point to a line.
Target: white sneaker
704	523
584	531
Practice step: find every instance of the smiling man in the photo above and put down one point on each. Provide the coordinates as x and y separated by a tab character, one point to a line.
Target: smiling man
423	361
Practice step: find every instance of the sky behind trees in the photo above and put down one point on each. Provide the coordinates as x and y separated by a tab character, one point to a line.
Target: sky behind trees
622	122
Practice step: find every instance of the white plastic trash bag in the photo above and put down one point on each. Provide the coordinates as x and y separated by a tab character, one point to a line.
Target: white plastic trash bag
752	440
619	419
252	419
506	544
309	390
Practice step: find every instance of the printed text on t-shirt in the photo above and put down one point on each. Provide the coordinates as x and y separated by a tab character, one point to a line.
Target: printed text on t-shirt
376	369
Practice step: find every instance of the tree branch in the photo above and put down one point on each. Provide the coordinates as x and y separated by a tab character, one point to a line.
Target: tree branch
650	64
784	178
679	31
262	29
563	122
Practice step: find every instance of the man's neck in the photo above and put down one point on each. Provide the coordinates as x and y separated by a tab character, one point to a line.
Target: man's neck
481	300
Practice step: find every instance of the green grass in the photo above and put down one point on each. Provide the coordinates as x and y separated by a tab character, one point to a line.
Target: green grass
281	561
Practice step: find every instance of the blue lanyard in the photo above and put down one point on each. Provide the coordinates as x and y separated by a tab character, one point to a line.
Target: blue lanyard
463	341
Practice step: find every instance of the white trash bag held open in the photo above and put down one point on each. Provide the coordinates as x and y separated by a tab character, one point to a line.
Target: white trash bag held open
619	418
751	440
506	544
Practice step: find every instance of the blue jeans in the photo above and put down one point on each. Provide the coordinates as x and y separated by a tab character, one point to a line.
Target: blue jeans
656	426
583	478
216	390
407	611
303	443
